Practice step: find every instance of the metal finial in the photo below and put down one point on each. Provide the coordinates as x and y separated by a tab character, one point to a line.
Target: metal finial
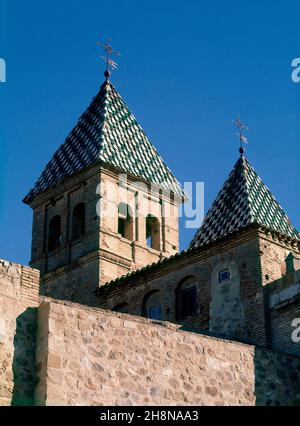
110	64
243	140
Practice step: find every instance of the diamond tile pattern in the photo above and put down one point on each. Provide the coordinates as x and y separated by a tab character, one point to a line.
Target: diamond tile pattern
107	131
243	200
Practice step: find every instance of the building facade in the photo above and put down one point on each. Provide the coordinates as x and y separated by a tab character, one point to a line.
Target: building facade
109	313
106	207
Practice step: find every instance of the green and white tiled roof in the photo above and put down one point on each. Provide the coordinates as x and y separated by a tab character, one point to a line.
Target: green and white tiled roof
243	200
108	132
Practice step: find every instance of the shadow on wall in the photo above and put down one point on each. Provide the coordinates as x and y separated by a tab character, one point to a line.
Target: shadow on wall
24	368
277	378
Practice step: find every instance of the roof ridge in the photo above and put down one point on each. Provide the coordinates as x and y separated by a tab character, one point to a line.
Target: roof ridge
105	85
268	193
247	164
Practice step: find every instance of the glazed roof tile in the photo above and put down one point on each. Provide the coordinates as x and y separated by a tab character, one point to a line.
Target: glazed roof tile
243	200
107	132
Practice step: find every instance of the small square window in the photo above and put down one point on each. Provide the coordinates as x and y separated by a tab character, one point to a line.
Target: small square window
224	276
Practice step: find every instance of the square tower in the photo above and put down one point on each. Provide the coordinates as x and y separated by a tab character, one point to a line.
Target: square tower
105	205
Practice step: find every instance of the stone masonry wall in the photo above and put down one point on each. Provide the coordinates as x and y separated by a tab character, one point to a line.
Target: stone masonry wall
273	256
19	298
78	266
74	282
88	356
234	308
238	308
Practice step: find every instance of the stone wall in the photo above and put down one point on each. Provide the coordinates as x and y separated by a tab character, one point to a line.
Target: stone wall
88	356
274	252
78	266
259	265
234	308
19	298
76	281
61	201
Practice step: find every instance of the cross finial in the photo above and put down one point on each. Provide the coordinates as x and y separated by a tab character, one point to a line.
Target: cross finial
110	64
241	127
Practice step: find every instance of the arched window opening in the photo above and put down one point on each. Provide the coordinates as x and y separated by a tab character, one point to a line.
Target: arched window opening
78	221
121	307
186	299
125	222
152	232
54	236
152	306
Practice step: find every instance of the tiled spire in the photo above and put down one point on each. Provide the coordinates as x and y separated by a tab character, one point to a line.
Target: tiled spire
106	132
243	200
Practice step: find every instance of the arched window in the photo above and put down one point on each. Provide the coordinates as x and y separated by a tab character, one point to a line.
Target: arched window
152	306
54	235
153	232
78	221
125	222
121	307
186	298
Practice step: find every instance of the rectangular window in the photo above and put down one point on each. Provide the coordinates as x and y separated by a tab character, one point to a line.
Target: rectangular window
224	276
156	313
188	302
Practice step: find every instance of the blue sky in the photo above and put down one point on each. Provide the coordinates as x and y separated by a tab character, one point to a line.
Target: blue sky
187	69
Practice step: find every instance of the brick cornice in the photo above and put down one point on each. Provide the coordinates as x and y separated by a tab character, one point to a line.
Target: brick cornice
178	261
190	256
278	238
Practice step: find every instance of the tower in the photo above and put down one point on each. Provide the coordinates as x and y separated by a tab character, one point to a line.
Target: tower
255	238
239	278
106	203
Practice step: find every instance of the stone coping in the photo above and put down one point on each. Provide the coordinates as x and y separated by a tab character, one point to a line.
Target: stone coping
162	324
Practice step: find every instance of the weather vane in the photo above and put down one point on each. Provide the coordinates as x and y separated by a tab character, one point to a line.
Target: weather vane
110	64
242	127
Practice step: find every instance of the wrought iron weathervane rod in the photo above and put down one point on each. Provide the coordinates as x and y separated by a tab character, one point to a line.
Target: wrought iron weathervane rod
242	128
111	65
